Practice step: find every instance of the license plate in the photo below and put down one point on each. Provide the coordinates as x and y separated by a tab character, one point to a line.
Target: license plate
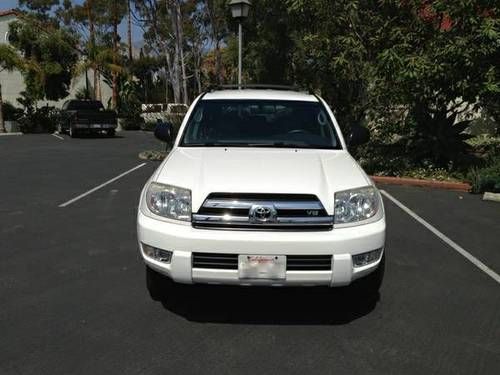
262	267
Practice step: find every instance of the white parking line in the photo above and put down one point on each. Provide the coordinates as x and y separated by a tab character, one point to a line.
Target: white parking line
471	258
57	136
101	186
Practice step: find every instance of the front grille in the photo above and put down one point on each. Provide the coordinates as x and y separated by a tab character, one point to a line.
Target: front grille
293	262
309	262
286	212
215	261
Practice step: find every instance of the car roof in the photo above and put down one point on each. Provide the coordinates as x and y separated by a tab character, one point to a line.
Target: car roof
259	94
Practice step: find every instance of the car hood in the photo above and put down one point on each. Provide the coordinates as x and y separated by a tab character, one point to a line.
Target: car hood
207	170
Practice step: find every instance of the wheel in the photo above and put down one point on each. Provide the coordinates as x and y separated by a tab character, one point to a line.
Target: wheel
369	285
72	132
110	132
60	129
158	285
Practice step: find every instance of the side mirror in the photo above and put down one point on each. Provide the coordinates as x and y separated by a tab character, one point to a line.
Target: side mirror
163	131
358	136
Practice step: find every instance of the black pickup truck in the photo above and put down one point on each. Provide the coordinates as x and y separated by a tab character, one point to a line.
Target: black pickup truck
86	116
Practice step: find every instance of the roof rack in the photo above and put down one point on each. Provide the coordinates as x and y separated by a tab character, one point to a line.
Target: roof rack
253	86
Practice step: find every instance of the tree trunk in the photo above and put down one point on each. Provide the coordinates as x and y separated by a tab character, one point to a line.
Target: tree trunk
196	51
2	123
197	76
180	41
114	95
129	31
176	84
166	86
90	17
99	92
214	34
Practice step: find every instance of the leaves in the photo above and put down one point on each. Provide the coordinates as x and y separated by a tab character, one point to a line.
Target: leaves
45	56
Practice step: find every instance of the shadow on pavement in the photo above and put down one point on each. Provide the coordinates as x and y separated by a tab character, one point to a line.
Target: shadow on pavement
96	136
266	305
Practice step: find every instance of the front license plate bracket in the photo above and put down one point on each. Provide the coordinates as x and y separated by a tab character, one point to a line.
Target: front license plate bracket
269	267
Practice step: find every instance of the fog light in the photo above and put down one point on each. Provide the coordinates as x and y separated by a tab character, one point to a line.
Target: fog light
157	254
364	259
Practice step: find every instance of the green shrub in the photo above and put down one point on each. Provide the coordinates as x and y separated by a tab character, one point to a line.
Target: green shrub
484	145
486	178
437	174
129	107
40	120
11	113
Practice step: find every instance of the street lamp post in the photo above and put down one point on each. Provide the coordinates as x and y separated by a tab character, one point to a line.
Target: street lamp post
239	10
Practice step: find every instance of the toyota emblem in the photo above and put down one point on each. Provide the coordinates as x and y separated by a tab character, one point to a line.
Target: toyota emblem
262	214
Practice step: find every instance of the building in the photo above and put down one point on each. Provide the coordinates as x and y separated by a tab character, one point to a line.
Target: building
13	82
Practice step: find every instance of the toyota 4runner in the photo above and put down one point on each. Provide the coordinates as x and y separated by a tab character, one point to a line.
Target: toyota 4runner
260	189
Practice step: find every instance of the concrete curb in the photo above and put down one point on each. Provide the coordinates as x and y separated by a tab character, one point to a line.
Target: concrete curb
6	134
404	181
154	155
494	197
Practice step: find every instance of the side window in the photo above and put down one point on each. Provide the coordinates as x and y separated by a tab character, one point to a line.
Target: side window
65	105
193	130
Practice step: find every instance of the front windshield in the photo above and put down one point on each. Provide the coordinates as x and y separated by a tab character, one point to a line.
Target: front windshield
260	123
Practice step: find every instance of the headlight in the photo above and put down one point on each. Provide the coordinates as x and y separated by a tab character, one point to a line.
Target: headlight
356	205
169	201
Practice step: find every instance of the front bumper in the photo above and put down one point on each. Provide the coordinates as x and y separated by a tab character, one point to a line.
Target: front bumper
92	127
182	239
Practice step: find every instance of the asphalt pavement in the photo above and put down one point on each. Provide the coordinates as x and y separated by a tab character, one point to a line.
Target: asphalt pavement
73	298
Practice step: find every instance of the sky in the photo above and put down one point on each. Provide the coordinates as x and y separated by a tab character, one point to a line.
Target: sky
136	31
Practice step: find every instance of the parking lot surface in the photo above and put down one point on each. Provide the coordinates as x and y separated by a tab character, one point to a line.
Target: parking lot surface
73	297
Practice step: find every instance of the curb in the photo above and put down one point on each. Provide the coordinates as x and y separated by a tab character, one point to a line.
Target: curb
494	197
404	181
153	155
6	134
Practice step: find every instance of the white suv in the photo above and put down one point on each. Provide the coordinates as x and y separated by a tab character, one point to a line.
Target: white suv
260	189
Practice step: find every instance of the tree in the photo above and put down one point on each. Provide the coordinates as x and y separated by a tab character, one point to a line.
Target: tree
216	23
9	60
438	59
197	39
163	23
49	54
154	17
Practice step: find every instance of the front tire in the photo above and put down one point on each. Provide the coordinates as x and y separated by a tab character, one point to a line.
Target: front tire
158	285
369	286
60	129
110	132
72	132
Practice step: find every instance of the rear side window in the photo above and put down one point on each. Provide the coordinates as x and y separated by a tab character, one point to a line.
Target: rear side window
265	123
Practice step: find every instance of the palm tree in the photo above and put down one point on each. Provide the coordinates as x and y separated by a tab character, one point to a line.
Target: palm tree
100	59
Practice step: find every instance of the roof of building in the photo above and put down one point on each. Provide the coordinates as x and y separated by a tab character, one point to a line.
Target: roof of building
8	12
